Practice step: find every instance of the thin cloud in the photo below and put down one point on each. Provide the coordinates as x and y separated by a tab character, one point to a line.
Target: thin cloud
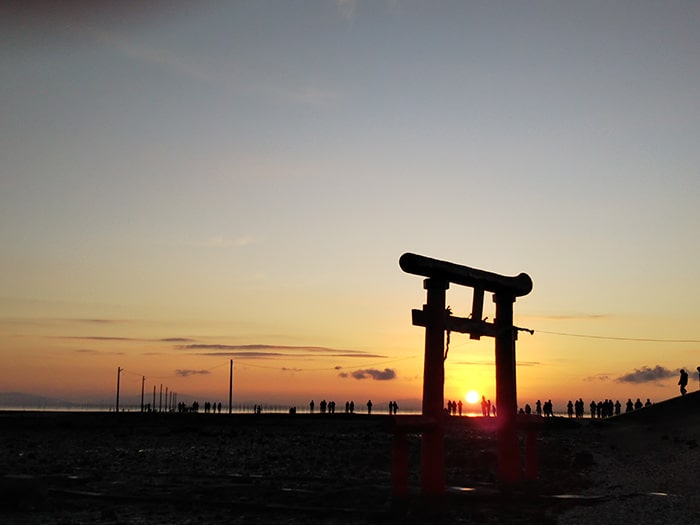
95	338
597	377
188	372
97	321
347	8
96	352
263	351
129	48
126	339
647	374
371	373
242	355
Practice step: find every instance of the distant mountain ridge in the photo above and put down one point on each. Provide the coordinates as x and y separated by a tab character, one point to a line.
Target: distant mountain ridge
23	400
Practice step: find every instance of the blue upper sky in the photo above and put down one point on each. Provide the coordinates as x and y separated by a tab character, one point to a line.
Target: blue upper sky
261	161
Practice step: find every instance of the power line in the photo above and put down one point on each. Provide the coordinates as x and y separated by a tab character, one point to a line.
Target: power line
614	338
176	374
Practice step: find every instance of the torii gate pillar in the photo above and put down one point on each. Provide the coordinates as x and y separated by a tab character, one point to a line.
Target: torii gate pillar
506	392
433	447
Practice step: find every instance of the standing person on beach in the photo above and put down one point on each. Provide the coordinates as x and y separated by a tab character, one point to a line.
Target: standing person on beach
369	407
683	381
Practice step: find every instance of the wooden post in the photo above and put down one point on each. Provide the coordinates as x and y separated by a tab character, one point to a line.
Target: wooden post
119	376
143	382
230	386
433	446
506	393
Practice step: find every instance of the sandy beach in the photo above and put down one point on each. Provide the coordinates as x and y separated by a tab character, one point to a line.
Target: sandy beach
133	468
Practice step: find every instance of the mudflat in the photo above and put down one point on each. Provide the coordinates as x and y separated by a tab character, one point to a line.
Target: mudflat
133	468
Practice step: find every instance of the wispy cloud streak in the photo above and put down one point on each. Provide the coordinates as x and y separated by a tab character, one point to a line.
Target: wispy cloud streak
263	351
187	372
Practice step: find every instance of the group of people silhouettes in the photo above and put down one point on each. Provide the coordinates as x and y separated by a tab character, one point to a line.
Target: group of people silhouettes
329	407
577	409
454	408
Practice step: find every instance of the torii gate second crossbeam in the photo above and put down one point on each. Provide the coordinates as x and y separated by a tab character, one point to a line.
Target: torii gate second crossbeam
436	320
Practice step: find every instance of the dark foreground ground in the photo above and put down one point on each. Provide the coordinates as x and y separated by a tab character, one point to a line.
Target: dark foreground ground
130	468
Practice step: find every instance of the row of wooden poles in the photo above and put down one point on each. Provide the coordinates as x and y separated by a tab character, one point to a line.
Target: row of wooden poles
170	397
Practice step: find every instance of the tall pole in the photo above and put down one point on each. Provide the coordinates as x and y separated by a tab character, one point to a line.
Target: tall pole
119	376
433	442
143	383
160	398
167	405
230	386
153	406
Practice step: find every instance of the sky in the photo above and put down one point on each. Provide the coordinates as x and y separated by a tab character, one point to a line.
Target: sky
185	184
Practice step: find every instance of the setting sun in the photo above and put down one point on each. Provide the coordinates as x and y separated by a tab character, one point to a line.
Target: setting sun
472	396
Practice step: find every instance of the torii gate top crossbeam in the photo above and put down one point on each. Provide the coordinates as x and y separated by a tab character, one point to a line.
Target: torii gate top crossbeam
456	273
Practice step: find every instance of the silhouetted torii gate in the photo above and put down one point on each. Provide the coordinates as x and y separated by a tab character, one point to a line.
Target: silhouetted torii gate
436	320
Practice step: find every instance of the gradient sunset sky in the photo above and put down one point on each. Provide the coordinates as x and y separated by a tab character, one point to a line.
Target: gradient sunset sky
185	183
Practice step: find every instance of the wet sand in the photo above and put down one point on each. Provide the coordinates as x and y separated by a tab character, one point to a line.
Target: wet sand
133	468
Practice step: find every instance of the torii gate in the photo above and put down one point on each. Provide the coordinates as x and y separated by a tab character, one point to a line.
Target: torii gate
436	320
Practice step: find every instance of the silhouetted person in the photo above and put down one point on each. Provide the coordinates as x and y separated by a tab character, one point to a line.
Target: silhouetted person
683	381
618	407
528	409
638	404
547	408
459	407
648	403
538	407
570	409
484	407
311	407
369	407
629	406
